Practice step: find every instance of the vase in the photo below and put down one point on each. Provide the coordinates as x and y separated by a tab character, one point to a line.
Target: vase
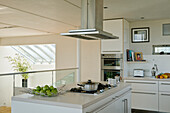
24	82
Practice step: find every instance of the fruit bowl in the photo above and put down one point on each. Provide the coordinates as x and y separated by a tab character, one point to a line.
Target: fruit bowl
163	76
46	91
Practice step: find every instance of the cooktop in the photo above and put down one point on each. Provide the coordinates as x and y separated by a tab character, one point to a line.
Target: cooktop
101	88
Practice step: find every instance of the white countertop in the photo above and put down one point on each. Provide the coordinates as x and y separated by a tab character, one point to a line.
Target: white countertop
70	99
145	78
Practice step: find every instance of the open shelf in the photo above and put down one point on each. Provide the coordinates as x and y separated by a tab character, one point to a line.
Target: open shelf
136	61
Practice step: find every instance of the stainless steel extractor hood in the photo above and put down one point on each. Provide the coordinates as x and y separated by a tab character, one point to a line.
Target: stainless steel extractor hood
91	22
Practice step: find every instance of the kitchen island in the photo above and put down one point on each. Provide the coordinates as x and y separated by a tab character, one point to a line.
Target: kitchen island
115	100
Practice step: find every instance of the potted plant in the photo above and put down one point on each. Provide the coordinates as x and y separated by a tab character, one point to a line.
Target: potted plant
20	64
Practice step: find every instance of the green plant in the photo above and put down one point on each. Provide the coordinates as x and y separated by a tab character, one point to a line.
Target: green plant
20	64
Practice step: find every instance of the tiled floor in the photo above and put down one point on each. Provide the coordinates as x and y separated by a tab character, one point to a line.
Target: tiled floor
4	109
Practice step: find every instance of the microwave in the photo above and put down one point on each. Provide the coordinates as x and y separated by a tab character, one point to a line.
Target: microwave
138	73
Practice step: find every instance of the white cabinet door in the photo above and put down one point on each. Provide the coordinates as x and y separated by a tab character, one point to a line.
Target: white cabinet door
145	100
114	27
164	86
147	86
164	100
119	104
115	107
127	103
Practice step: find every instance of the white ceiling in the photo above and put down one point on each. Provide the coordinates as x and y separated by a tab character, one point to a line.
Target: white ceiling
38	17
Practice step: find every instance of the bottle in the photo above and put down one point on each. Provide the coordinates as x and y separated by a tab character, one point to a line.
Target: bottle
153	72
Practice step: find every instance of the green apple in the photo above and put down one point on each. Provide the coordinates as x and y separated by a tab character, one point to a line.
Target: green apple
46	87
37	92
54	92
33	91
38	88
49	94
51	88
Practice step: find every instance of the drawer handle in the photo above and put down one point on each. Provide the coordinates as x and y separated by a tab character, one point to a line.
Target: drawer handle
165	94
144	93
165	83
141	82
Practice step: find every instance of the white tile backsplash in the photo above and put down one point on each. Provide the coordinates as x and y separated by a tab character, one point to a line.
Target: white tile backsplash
162	61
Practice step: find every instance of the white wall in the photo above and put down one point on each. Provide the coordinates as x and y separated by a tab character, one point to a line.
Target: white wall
6	81
90	60
156	38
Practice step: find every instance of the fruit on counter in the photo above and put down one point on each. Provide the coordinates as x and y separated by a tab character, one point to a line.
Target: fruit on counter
163	76
45	91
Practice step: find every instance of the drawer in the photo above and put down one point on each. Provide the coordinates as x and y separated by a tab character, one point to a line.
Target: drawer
164	99
164	86
143	85
145	101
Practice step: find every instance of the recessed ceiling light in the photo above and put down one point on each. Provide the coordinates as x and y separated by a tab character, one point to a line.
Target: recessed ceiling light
142	18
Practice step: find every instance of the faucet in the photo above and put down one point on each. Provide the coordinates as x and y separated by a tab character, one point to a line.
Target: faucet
156	67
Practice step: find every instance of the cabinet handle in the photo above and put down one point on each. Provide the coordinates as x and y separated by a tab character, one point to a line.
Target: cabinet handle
141	82
165	83
111	51
102	107
165	94
144	93
125	102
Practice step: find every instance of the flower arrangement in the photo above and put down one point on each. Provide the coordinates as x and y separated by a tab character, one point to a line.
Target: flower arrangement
20	64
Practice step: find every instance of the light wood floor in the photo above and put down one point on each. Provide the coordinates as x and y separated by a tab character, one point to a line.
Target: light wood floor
4	109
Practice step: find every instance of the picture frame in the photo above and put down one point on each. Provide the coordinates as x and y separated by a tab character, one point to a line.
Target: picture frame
166	29
140	35
138	56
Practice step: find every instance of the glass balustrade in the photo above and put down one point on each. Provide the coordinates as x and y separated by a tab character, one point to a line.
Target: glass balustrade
12	84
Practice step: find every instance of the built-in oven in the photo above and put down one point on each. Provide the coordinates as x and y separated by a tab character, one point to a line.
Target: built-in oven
111	65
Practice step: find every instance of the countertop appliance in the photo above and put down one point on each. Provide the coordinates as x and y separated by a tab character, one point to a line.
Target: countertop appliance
91	22
138	73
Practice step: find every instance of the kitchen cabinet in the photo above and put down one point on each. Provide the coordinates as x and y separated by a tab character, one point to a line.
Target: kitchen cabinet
144	94
114	27
117	104
164	96
114	100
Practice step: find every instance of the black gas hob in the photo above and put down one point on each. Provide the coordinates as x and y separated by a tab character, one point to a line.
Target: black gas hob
101	89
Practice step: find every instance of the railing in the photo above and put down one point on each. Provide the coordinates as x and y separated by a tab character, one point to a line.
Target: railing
11	83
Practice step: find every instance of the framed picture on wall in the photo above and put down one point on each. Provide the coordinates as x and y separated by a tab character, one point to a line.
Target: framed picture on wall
138	56
140	35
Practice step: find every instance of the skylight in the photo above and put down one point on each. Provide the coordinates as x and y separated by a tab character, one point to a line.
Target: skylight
37	54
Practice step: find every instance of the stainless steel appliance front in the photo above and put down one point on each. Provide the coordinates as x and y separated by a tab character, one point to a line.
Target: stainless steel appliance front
111	65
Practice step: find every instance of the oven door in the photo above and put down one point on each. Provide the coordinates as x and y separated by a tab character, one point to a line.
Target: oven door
112	63
110	73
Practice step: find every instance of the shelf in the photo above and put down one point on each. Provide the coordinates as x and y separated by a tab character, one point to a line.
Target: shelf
136	62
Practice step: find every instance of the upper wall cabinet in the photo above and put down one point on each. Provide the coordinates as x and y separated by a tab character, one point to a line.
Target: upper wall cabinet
113	45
